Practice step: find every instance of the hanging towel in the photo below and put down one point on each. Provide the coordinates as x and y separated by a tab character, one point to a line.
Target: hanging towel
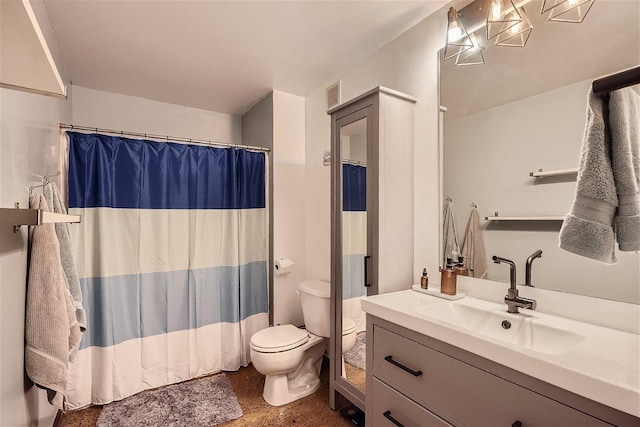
475	257
53	198
449	233
51	328
588	228
624	122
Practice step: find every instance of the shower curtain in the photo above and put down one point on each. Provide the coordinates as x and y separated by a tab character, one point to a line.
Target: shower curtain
354	239
171	255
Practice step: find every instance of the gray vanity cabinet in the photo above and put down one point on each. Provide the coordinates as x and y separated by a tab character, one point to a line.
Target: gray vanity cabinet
418	381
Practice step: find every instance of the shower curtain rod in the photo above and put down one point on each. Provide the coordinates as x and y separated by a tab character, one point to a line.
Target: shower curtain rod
163	137
616	81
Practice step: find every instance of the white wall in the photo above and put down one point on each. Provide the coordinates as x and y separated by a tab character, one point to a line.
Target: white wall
408	64
29	149
288	204
487	159
107	110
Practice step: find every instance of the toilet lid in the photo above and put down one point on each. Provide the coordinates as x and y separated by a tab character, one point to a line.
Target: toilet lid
278	338
348	326
316	288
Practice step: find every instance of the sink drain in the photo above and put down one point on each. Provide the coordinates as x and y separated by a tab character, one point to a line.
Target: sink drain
506	324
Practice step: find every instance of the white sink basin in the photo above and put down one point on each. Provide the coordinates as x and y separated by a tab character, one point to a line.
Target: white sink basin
524	329
596	362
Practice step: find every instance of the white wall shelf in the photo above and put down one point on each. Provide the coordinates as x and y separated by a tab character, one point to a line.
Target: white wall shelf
541	173
525	218
17	217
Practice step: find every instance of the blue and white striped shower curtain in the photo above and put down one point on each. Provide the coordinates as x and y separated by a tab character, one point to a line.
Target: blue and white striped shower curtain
171	254
354	239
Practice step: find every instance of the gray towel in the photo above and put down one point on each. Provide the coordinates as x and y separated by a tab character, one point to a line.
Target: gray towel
53	198
588	228
51	329
450	235
475	256
624	122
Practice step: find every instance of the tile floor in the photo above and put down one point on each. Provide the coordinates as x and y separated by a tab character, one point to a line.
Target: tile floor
247	384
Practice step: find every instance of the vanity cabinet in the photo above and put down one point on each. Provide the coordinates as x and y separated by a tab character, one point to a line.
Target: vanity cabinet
418	381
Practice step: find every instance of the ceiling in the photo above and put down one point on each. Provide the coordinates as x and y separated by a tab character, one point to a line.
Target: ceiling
221	55
556	54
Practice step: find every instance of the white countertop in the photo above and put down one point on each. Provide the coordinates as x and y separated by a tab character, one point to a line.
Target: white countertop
605	367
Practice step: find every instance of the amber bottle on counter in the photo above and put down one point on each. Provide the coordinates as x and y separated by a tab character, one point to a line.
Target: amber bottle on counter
448	279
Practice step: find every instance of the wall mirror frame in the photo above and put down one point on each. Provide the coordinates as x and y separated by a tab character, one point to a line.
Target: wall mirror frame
356	119
538	96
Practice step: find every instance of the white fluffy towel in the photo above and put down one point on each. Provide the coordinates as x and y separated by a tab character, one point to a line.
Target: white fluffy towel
624	122
608	181
54	201
51	328
475	256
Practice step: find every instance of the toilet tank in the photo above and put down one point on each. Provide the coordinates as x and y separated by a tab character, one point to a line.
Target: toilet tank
315	297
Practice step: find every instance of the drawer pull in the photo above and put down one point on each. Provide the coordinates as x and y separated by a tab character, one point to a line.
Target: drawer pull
388	416
401	366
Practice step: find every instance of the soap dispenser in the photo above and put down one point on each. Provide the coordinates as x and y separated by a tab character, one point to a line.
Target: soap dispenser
460	269
448	279
424	280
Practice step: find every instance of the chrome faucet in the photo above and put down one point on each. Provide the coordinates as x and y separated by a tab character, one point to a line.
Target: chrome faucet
513	301
527	271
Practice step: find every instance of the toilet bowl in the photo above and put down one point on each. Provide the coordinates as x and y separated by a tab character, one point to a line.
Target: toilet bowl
290	357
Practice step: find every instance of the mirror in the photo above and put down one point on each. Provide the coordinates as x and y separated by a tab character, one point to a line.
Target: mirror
524	110
353	150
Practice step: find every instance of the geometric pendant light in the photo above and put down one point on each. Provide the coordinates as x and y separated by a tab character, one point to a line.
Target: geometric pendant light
458	40
517	35
501	17
472	56
568	10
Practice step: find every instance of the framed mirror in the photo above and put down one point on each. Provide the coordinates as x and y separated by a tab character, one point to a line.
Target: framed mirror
351	247
353	152
522	111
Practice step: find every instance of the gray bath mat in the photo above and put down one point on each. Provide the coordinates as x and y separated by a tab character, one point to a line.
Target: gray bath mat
357	356
205	402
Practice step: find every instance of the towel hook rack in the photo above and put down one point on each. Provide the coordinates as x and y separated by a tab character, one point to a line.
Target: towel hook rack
45	181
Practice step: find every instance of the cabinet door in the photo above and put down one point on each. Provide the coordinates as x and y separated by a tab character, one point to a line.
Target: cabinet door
351	261
393	409
461	393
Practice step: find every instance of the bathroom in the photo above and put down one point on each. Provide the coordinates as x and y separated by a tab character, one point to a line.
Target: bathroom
403	57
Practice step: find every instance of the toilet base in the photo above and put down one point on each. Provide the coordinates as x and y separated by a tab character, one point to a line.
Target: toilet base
285	388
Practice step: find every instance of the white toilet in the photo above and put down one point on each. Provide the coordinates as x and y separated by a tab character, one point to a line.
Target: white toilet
290	357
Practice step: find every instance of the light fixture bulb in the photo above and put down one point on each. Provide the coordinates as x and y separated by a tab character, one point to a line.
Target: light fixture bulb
458	40
455	33
496	10
501	16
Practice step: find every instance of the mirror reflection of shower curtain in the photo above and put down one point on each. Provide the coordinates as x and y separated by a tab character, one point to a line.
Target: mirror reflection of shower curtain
171	255
354	238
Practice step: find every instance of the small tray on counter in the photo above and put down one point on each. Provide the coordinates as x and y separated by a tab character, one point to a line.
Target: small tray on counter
435	291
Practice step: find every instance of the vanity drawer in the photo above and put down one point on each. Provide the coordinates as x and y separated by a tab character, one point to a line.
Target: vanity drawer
461	393
388	403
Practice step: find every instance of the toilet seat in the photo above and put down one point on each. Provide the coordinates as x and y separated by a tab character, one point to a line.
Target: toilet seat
348	326
278	339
